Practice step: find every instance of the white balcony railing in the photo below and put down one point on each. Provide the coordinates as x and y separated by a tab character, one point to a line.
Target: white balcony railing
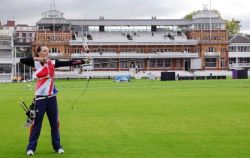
126	42
158	55
239	65
211	54
239	54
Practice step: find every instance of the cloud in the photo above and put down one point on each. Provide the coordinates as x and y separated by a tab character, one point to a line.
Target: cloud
245	25
26	11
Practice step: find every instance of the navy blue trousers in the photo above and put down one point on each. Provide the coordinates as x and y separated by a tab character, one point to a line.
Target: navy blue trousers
48	105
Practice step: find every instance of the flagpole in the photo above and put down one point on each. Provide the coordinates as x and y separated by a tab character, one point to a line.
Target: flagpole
54	33
210	21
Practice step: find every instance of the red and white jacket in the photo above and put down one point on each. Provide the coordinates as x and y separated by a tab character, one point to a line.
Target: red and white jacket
45	78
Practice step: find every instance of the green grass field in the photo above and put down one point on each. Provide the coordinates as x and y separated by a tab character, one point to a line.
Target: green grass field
140	119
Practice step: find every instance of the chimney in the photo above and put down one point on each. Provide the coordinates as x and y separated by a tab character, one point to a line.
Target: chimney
101	18
11	23
153	17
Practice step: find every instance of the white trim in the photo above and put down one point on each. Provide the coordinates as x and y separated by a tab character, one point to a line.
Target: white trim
169	42
125	55
212	54
239	55
239	44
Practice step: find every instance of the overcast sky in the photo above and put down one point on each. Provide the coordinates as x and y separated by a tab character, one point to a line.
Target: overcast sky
30	11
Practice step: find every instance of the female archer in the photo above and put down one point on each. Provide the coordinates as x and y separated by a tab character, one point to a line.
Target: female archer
45	96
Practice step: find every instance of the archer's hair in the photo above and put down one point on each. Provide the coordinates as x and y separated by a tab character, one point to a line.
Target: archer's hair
39	48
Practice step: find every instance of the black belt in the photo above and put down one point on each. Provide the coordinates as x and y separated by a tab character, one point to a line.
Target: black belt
39	97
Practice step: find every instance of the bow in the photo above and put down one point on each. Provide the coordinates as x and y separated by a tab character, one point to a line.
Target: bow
86	63
83	92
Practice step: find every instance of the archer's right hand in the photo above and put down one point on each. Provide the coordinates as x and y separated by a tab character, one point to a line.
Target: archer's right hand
87	60
40	59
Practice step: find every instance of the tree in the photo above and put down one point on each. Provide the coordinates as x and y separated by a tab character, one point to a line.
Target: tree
190	15
233	26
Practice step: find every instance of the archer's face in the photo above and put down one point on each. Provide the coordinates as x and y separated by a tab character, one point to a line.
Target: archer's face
44	52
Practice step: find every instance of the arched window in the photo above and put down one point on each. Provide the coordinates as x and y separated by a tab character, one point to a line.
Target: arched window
211	49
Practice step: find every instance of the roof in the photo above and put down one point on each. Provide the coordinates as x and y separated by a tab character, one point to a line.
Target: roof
130	22
206	14
51	21
51	11
239	39
54	16
117	22
206	20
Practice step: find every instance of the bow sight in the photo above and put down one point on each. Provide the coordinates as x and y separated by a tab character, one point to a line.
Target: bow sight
29	111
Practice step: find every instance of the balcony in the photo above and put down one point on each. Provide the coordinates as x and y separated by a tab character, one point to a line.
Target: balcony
239	65
6	47
50	42
125	55
239	54
212	54
212	42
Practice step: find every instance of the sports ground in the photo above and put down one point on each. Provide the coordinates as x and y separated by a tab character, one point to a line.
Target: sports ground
139	119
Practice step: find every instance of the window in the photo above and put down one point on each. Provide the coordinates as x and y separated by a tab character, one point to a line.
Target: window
124	64
243	49
104	63
211	49
140	64
223	63
5	68
77	50
168	63
187	50
210	62
178	64
243	60
113	63
97	63
159	63
197	50
223	49
232	49
54	50
23	34
152	63
232	60
132	64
